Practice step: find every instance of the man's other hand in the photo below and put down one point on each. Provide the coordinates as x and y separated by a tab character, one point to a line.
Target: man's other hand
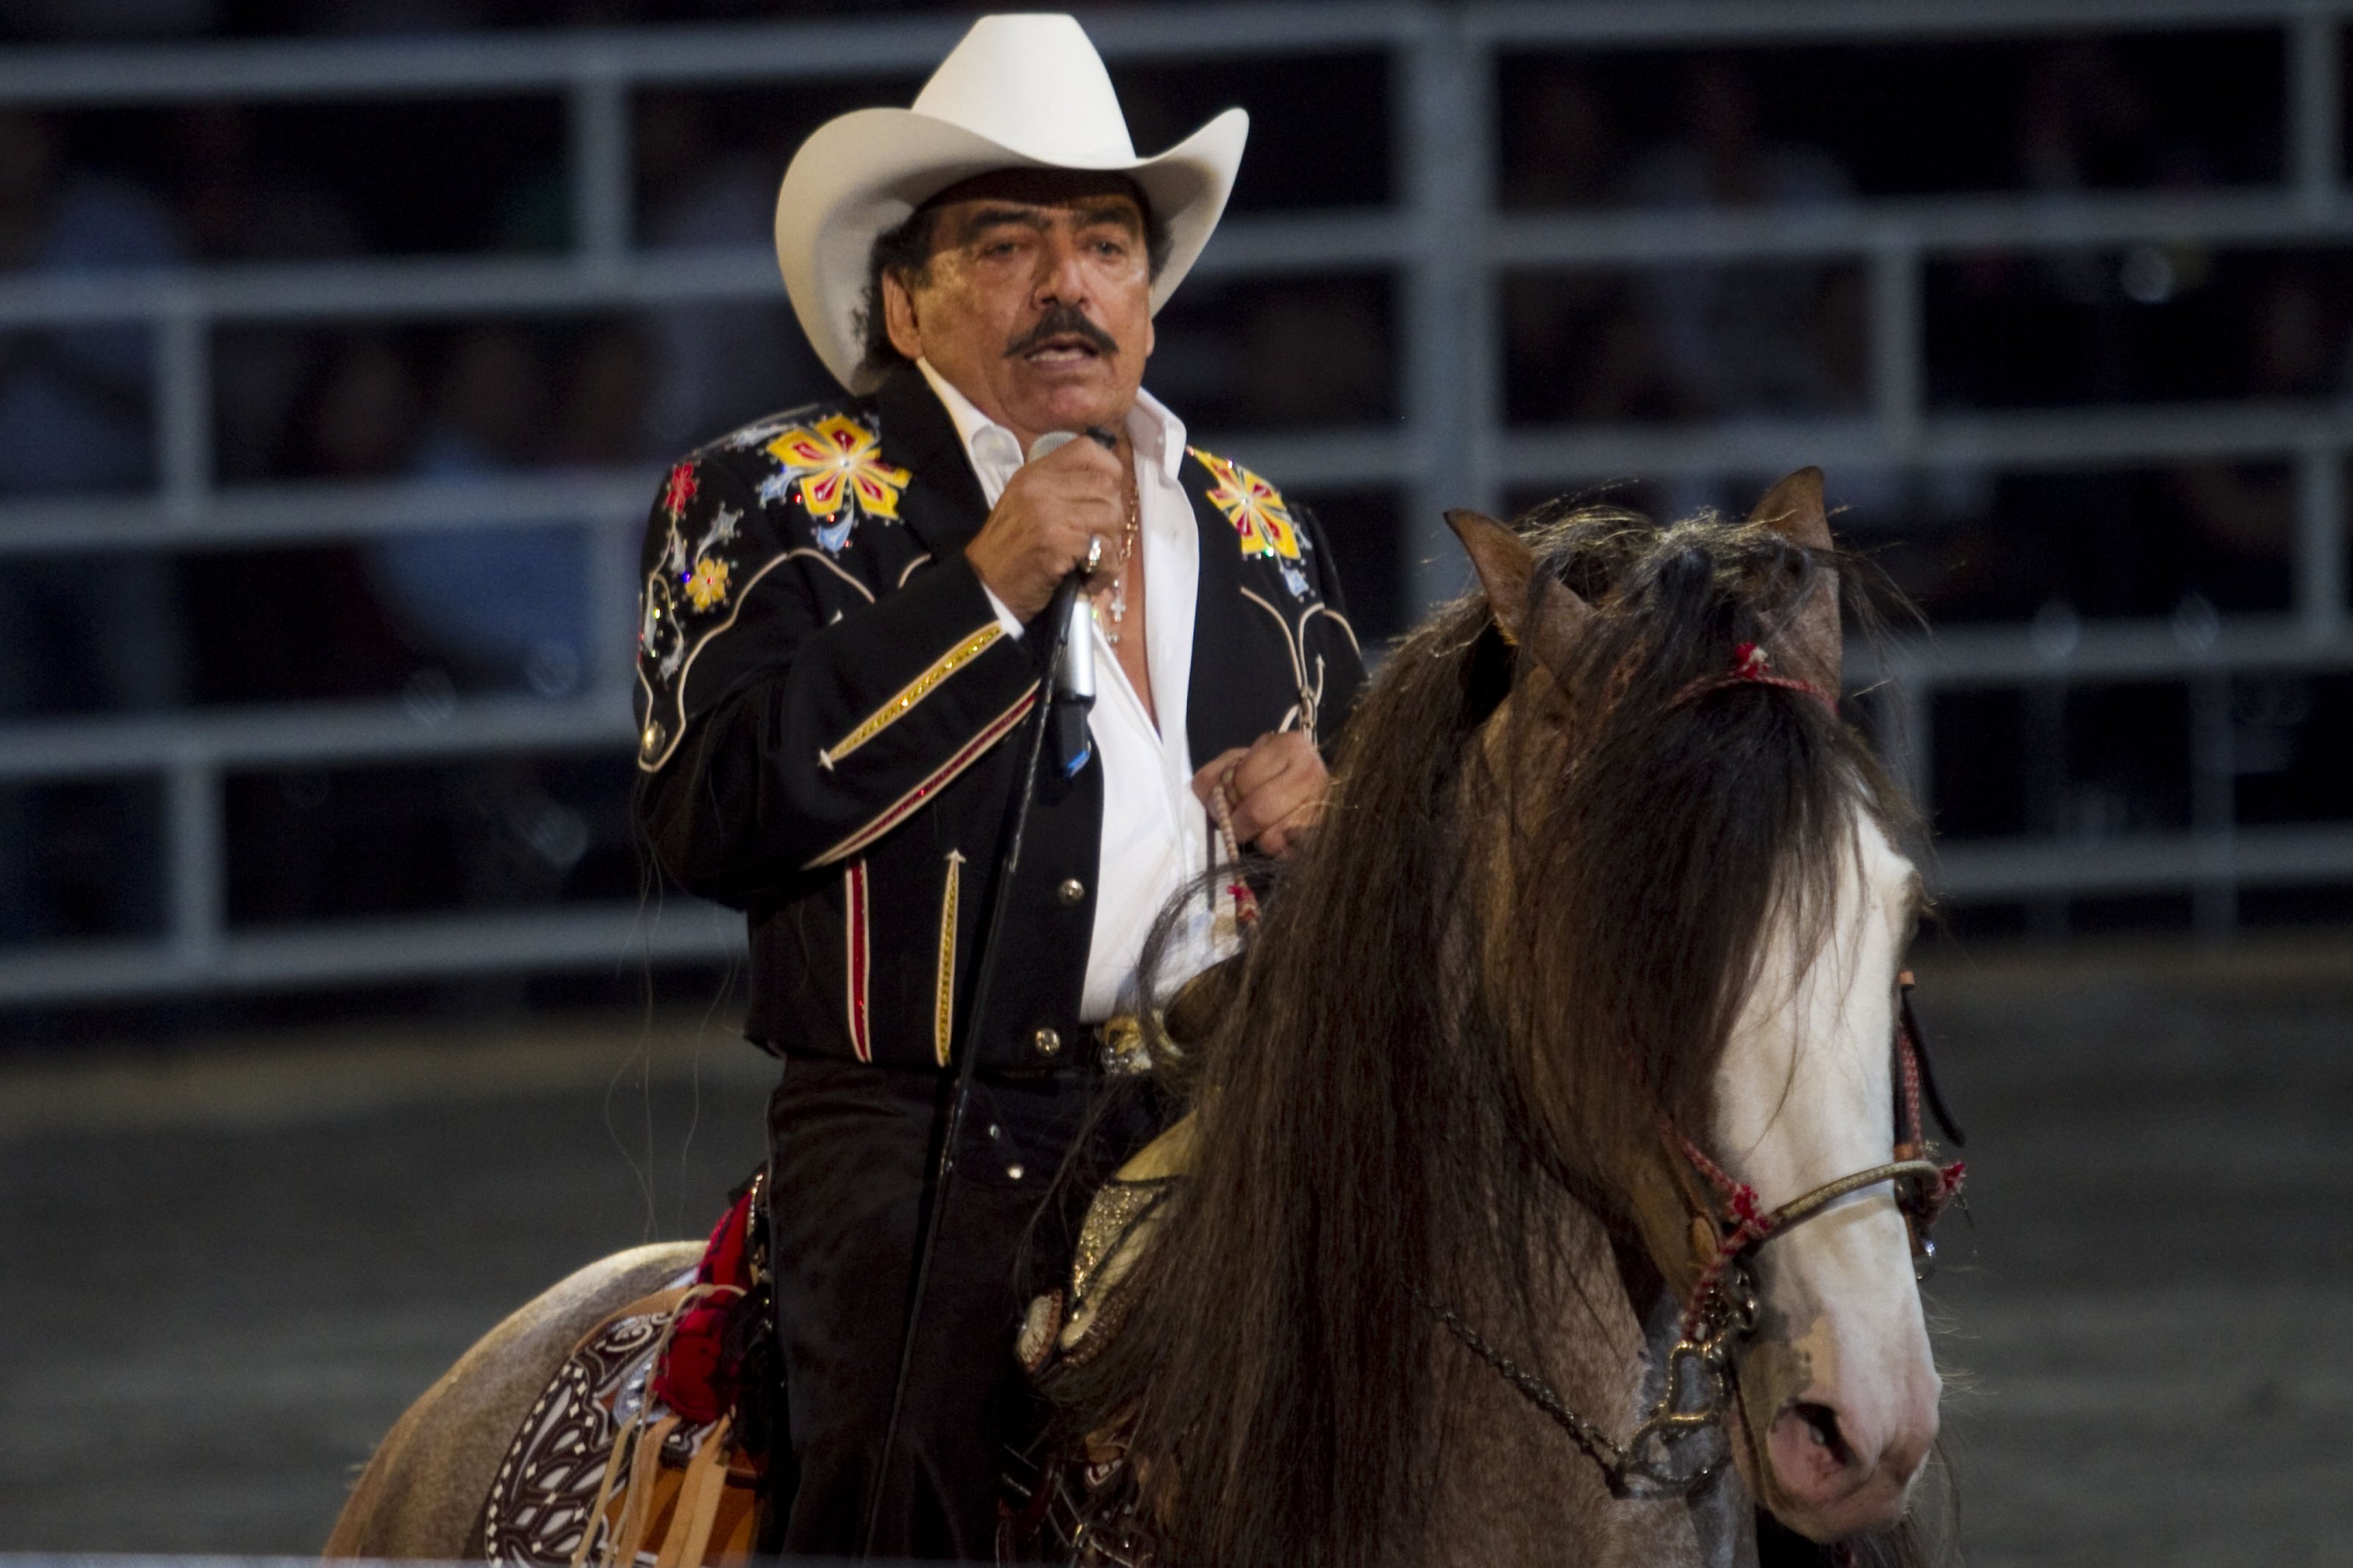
1043	522
1274	788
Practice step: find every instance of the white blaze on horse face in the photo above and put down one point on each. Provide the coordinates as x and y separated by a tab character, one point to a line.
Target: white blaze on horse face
1840	1388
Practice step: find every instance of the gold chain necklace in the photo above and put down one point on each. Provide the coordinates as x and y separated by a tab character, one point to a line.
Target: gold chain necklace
1127	557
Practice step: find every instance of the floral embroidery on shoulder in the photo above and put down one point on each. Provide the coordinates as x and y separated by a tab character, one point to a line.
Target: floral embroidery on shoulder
1259	515
760	431
834	468
700	573
692	566
1255	508
823	462
707	583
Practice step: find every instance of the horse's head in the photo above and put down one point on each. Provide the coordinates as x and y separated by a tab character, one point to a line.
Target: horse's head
1699	869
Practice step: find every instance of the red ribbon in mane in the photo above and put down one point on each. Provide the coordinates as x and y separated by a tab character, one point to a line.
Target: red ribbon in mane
1752	665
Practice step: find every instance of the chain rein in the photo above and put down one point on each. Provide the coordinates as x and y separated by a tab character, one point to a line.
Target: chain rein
1644	1465
1721	1312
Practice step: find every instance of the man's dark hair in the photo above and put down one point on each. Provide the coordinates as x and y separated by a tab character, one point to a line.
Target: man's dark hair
905	252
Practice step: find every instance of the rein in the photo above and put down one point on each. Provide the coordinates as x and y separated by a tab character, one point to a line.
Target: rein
1644	1465
1729	1227
1923	1188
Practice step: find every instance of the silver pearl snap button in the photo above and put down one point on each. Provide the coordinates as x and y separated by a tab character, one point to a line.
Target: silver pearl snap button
1048	1042
1014	1172
1072	892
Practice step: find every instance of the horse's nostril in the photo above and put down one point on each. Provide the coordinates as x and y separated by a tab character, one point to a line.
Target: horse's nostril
1823	1426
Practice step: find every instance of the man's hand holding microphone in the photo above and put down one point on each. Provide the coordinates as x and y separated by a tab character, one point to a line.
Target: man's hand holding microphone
1048	500
1054	509
1068	499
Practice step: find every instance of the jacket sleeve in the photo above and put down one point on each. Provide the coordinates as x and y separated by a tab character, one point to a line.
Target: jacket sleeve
794	705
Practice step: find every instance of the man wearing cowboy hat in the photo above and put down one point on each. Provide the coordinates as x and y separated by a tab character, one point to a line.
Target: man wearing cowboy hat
840	639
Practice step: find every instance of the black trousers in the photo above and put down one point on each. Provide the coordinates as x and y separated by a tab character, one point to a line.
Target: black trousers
853	1156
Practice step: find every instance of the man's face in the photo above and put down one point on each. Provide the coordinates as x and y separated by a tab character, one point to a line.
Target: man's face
1037	300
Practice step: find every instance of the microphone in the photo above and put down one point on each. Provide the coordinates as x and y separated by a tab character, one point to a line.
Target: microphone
1074	664
1054	440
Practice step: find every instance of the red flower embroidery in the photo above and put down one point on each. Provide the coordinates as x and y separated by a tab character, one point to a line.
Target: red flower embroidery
679	490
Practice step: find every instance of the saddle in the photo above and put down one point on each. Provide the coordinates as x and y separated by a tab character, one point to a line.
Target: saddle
638	1451
651	1447
1085	1504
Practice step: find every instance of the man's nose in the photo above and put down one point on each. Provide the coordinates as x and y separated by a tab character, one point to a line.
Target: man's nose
1060	279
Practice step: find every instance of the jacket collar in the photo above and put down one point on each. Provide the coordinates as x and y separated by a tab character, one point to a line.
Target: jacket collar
1217	659
945	507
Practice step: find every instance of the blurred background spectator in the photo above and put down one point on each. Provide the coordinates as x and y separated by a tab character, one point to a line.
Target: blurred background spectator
712	362
79	633
491	600
421	417
238	209
1687	342
1750	339
75	410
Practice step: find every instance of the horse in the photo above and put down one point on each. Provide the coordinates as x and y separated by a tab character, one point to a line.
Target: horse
1592	959
421	1493
1585	997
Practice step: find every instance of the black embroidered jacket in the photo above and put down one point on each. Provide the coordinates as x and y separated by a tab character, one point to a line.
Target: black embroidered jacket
829	713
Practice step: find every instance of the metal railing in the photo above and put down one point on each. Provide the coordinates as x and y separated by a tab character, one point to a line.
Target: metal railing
1443	239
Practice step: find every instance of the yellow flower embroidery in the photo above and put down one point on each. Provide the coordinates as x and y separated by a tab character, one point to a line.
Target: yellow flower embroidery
1254	507
707	583
833	458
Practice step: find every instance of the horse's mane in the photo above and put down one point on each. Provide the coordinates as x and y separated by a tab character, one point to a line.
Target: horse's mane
1376	1125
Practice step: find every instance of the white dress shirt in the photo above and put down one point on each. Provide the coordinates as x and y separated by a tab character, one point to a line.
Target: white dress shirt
1156	834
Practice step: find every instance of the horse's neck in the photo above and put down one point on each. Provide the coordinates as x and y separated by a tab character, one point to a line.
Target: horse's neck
1513	1486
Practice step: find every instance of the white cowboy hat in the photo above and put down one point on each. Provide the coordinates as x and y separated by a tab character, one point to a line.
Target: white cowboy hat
1020	92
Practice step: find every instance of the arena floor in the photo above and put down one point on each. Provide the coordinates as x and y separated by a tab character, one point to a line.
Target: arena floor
228	1269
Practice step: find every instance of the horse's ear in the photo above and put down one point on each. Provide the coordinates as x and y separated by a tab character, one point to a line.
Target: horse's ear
1793	509
1505	566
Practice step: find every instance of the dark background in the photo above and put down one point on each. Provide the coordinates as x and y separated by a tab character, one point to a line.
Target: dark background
244	1227
2193	113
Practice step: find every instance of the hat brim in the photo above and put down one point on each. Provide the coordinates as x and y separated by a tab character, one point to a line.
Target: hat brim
862	174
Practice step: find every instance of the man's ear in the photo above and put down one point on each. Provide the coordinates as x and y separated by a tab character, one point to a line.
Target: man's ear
899	317
1793	509
1549	622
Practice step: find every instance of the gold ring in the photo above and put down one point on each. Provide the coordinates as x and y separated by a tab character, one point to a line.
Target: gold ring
1094	555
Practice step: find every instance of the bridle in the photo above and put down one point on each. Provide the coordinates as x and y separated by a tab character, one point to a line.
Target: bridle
1729	1228
1729	1225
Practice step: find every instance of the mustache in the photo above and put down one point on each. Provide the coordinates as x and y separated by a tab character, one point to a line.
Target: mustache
1062	321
